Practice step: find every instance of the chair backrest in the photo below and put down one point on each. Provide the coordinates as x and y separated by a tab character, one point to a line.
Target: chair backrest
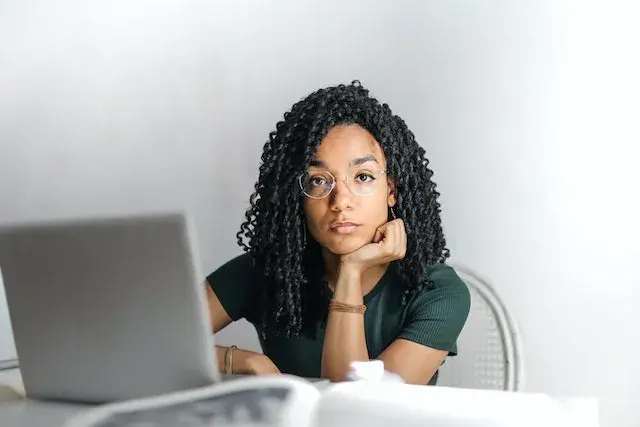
489	347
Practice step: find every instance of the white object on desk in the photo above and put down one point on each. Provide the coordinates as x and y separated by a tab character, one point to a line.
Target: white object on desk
384	404
372	370
373	404
271	401
18	411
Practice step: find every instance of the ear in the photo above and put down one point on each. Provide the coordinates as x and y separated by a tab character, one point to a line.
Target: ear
391	196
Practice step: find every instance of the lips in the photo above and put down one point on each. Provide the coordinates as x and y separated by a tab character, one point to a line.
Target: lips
343	227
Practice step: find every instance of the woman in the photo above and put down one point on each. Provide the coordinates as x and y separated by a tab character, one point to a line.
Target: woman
344	249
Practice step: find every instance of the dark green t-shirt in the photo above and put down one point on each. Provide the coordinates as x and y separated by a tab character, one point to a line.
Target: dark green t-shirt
433	317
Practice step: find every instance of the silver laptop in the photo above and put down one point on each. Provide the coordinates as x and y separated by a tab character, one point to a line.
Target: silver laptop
108	309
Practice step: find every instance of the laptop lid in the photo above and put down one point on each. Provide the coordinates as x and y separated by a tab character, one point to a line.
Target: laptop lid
108	309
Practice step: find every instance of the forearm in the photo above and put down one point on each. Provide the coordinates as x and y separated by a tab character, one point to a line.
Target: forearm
344	339
243	361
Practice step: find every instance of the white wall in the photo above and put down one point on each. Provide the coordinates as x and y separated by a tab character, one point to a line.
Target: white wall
529	113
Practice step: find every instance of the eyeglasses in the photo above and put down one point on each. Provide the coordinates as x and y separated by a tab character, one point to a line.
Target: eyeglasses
362	180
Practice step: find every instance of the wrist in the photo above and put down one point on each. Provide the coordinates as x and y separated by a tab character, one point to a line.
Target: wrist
258	364
228	359
348	286
350	270
244	362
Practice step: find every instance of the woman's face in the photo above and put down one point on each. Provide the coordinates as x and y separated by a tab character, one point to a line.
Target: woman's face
347	218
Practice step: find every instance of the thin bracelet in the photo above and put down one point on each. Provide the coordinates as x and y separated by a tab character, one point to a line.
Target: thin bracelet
228	359
346	308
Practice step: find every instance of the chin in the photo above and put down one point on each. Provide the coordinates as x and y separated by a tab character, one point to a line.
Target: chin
345	245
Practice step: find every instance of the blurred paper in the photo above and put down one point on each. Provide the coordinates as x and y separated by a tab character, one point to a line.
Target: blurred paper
372	370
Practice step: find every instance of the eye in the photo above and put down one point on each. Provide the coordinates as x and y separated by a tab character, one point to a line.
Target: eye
317	181
364	178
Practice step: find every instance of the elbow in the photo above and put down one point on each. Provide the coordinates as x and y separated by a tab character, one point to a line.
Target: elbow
334	374
337	373
335	377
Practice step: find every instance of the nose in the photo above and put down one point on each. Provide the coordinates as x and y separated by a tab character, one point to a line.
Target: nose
341	197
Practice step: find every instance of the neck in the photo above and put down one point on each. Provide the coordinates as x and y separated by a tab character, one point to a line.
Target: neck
370	277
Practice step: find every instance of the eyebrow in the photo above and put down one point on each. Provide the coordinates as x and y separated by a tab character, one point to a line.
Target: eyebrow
355	162
360	160
317	163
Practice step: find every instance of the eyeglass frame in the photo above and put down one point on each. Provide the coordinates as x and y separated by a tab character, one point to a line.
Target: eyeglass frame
333	185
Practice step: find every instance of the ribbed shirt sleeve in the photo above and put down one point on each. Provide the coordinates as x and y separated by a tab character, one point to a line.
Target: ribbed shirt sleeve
436	316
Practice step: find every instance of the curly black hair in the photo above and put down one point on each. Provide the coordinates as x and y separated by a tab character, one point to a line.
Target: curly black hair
286	261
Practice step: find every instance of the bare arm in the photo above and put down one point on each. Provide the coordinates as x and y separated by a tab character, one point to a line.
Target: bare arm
244	361
344	339
220	319
414	362
344	336
345	342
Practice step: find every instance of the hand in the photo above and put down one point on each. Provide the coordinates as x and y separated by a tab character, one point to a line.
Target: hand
255	364
389	244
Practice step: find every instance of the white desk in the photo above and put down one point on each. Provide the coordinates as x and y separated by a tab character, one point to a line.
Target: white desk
374	405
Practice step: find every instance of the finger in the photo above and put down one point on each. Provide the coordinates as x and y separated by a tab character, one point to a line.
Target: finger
391	240
380	233
392	236
403	239
377	238
397	233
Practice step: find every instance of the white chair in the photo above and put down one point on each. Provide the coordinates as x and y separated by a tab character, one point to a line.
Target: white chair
489	347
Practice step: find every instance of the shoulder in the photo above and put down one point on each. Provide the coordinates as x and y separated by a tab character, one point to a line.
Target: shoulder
234	266
234	285
446	280
448	293
437	314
